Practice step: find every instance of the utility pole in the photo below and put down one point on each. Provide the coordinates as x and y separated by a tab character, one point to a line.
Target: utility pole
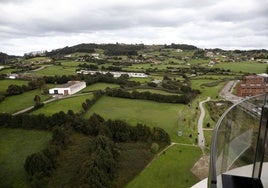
179	124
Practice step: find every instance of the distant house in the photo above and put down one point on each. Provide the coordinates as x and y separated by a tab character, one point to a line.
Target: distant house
68	55
68	89
211	63
95	55
12	76
209	54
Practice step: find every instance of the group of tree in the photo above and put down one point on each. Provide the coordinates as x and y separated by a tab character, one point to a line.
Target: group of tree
117	130
181	46
101	165
99	170
6	59
122	49
90	102
39	166
14	89
92	79
88	66
109	49
83	48
112	68
184	98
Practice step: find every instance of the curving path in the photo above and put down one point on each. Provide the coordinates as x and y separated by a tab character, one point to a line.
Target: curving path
201	138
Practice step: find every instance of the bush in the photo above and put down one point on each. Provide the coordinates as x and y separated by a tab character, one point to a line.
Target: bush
154	148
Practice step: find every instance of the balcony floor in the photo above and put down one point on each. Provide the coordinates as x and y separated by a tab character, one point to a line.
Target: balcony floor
241	171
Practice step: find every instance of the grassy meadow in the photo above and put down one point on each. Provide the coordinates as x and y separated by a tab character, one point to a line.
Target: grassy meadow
73	103
206	91
246	67
16	145
158	91
99	86
56	70
170	169
15	103
5	83
151	113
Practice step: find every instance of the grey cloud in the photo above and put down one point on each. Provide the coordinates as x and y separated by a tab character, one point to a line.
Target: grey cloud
206	22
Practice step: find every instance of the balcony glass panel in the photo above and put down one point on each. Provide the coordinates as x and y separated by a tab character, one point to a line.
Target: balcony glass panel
235	141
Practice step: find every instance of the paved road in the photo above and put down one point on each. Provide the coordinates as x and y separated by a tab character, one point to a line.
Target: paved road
227	90
201	138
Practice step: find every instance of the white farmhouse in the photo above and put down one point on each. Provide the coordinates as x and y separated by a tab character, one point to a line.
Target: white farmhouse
68	89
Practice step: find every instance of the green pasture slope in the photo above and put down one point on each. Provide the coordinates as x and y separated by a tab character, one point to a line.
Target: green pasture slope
246	67
18	102
16	145
170	169
207	91
5	83
99	86
56	70
151	113
73	103
158	91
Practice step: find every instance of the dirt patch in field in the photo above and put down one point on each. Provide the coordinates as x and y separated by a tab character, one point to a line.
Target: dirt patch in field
201	167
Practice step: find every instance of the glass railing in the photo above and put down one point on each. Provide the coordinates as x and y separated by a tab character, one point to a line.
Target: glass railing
238	143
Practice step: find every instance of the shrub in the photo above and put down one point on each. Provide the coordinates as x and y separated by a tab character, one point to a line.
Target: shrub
154	148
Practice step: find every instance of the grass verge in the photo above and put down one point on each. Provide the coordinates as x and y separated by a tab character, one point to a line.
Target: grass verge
170	169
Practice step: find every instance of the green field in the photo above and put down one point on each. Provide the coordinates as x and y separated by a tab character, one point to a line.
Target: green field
16	145
151	113
139	67
141	80
56	70
170	169
247	67
73	103
7	71
99	86
5	83
37	59
70	63
18	102
156	91
213	92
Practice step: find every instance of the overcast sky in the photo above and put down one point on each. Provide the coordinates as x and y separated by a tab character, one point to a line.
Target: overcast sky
32	25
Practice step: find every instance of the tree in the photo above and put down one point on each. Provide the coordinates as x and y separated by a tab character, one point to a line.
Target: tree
60	137
154	148
14	90
37	99
38	163
38	103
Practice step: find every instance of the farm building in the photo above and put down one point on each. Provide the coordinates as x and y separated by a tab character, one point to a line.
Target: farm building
115	74
68	89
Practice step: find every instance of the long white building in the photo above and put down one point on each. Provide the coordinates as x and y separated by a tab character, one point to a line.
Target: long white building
115	74
68	89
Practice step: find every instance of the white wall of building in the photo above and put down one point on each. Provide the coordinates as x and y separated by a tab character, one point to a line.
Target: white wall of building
71	88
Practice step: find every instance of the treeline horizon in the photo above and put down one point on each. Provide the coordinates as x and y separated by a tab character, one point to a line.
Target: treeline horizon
114	49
